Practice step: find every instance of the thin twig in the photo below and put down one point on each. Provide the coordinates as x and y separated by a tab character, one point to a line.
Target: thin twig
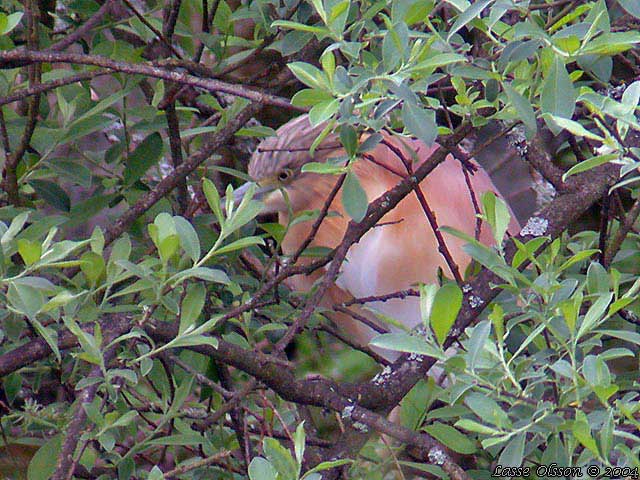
50	85
401	294
175	145
321	216
155	31
623	230
193	465
604	229
84	29
429	213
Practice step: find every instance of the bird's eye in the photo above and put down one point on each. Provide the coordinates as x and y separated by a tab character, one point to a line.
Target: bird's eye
285	174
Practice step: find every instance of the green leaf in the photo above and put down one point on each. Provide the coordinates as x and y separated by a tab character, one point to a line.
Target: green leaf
298	443
25	299
119	252
578	257
571	126
420	122
203	273
417	403
191	340
594	314
124	420
323	111
445	308
498	216
181	395
582	432
9	22
97	240
29	250
126	467
59	251
320	138
370	143
631	6
36	282
403	342
394	44
487	409
558	95
257	131
155	474
598	281
317	4
438	60
349	139
323	168
513	453
213	198
188	237
44	462
276	230
168	247
611	43
192	306
12	384
309	75
146	154
326	466
589	164
320	31
328	62
606	434
477	342
427	295
222	18
280	458
92	265
605	392
473	426
14	228
472	12
523	108
310	97
354	198
88	342
52	193
595	371
338	17
261	469
240	244
450	437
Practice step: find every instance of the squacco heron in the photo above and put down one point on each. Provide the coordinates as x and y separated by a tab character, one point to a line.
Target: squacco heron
396	254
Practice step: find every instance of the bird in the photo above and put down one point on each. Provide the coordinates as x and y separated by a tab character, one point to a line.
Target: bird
400	252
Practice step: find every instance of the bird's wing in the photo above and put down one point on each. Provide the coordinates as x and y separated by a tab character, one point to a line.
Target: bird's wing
401	250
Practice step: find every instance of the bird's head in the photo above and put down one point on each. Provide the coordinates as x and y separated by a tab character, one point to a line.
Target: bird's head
276	165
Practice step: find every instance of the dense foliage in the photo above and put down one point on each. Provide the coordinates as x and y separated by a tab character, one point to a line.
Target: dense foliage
146	327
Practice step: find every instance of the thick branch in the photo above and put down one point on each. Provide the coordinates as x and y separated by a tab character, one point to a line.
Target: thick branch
9	59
